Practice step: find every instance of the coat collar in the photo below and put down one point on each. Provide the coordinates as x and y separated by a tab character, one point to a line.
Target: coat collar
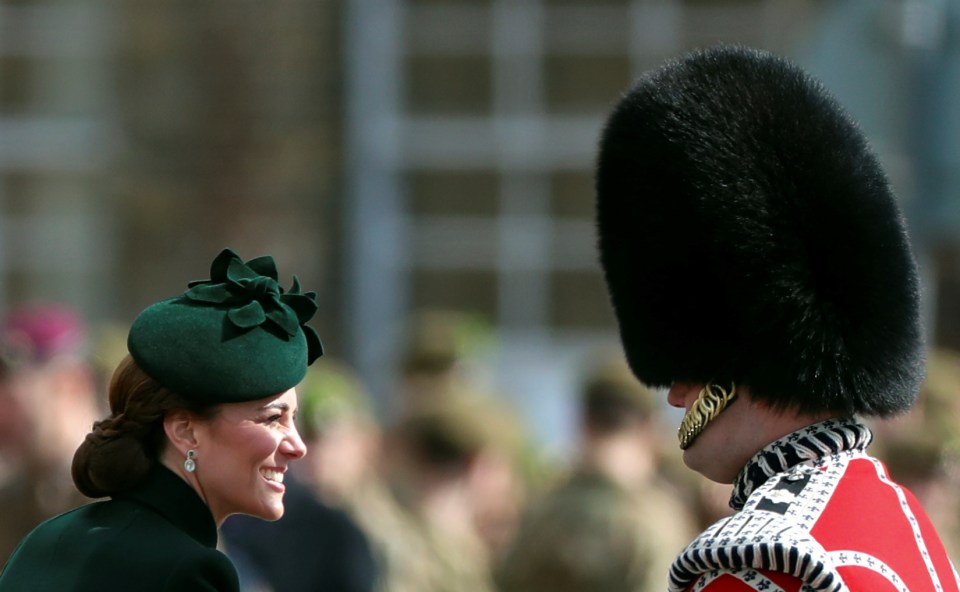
809	444
170	496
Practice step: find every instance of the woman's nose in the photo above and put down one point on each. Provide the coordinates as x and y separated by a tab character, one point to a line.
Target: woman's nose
294	446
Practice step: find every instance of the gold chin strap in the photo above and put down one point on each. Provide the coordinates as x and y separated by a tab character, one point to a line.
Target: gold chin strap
712	400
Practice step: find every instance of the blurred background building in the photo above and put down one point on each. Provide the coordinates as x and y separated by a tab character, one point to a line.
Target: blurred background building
406	155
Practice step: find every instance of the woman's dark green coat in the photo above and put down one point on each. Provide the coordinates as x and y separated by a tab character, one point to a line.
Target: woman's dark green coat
159	536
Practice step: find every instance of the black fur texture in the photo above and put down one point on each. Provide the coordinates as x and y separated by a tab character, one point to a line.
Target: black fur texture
748	234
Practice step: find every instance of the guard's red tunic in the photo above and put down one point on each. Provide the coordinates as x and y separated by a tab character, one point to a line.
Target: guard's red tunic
818	513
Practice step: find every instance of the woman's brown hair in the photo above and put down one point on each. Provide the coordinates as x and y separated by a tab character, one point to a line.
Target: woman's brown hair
122	448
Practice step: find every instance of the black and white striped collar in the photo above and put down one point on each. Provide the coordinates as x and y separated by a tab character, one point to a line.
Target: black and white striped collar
805	445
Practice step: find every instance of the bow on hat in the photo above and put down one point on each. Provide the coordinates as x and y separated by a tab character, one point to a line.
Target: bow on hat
252	291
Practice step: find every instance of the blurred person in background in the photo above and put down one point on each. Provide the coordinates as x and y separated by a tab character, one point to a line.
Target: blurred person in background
200	427
48	401
339	425
438	357
314	546
442	362
448	465
320	544
614	524
759	266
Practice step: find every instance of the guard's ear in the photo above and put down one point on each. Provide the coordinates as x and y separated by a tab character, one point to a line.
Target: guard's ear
180	428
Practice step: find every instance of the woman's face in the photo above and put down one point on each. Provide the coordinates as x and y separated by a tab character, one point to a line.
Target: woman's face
243	454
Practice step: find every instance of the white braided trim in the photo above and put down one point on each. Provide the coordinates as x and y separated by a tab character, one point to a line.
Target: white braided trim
866	561
750	577
914	525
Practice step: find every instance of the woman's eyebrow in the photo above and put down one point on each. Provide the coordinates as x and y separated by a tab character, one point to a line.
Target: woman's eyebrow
282	406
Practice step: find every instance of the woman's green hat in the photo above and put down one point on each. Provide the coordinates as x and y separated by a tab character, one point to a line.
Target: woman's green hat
235	337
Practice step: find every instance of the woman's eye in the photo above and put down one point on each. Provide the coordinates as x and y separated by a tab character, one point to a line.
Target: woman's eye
274	418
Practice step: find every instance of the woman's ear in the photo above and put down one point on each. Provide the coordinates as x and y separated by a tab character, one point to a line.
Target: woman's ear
179	427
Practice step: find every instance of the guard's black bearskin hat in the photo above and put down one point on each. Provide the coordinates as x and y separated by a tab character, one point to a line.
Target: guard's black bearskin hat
748	234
